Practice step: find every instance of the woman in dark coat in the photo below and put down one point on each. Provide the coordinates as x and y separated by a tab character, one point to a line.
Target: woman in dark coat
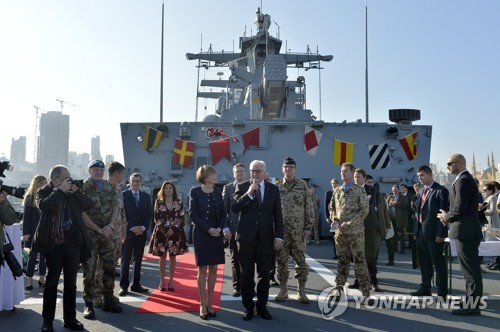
31	217
206	210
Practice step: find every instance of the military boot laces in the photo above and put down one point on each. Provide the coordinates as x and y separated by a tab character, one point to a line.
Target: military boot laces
283	294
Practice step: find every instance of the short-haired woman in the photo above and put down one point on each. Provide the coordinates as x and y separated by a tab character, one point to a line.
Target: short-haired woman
206	210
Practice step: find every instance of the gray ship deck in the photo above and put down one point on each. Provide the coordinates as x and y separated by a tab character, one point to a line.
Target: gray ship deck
289	315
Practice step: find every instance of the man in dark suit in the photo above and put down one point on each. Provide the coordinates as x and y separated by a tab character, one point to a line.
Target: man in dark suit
466	231
430	233
260	232
137	205
240	174
373	235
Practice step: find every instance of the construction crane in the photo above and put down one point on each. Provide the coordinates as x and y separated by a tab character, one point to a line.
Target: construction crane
64	102
36	131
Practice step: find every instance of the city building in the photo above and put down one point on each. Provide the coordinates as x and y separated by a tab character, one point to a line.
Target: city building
53	142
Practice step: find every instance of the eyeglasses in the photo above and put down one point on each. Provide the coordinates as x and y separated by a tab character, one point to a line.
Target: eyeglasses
451	163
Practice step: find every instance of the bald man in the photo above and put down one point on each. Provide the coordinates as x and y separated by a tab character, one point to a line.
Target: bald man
465	230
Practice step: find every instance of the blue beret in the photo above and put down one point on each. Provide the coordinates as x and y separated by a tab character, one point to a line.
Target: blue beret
96	163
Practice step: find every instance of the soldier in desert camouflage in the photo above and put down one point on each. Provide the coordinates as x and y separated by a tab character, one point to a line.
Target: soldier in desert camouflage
349	208
298	215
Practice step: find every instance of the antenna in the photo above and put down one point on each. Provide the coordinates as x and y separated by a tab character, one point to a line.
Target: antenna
366	59
64	102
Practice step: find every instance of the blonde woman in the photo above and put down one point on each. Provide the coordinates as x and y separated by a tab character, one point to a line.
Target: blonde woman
31	217
168	235
206	210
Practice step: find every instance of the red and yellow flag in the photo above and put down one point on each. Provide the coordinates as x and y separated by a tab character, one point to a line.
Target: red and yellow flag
409	146
183	152
343	152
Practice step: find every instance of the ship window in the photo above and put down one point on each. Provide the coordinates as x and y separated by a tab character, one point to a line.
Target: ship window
175	168
200	161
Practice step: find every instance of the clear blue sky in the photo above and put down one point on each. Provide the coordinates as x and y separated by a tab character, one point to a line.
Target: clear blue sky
441	57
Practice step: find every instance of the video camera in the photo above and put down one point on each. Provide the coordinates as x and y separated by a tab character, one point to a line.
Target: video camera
14	191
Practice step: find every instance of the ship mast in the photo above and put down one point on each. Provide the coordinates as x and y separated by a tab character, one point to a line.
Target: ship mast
161	66
366	61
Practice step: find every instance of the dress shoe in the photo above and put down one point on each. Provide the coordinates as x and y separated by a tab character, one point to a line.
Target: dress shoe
236	293
204	316
264	313
41	284
73	325
390	263
421	292
376	288
355	285
211	313
29	287
89	312
139	289
47	327
494	267
122	292
248	315
466	312
110	306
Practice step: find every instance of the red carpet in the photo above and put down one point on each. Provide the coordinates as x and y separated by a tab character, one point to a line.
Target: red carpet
185	297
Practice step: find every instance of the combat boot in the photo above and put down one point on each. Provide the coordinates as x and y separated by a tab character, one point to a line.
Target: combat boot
111	306
89	312
301	292
283	294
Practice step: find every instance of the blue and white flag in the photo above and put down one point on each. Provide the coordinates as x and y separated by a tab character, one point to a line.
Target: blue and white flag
379	156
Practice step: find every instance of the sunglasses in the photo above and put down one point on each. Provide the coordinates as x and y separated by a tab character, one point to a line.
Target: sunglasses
451	163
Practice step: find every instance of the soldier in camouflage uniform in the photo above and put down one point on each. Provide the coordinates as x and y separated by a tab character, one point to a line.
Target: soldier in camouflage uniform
316	206
348	208
103	214
116	172
298	215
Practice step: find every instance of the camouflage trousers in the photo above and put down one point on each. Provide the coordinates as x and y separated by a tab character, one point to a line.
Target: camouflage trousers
315	229
352	245
98	269
293	244
103	250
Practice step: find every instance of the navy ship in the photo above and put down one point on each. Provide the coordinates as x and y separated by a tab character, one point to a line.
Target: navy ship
262	114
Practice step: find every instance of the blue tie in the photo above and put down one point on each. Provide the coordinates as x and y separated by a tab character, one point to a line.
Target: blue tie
136	195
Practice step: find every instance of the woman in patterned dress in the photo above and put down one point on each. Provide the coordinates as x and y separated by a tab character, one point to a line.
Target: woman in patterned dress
168	235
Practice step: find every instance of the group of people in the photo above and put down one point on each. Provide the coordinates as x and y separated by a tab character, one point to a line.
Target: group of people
93	225
263	223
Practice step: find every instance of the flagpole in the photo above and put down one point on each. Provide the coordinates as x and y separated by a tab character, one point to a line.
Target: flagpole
366	60
161	74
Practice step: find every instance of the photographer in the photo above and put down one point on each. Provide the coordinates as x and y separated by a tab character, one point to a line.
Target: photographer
62	237
11	290
7	217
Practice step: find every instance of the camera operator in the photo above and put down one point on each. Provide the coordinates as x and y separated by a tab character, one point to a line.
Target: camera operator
62	237
7	217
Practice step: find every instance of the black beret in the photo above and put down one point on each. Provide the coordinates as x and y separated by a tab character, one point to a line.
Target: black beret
289	161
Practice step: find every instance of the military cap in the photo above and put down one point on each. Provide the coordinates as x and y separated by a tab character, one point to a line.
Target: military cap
96	163
289	161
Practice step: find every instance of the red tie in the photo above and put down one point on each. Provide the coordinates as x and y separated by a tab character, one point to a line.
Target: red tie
422	202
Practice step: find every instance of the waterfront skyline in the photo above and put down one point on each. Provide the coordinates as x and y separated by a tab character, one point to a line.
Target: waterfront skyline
104	58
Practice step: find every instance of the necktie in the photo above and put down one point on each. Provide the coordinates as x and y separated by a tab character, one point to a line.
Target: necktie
422	202
136	195
259	196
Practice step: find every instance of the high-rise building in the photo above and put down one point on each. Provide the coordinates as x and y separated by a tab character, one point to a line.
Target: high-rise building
18	151
95	148
53	142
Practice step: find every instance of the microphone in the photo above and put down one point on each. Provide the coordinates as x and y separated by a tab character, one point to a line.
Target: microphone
255	181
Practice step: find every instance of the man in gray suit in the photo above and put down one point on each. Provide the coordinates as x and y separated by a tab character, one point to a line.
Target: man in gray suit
465	230
239	173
